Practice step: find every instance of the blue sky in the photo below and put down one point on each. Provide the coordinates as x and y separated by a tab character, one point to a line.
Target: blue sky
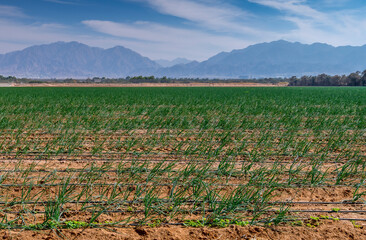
194	29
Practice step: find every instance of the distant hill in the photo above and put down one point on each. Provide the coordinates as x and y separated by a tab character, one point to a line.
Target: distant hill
168	63
73	59
274	59
279	58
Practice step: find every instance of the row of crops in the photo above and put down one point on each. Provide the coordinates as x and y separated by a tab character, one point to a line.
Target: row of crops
97	157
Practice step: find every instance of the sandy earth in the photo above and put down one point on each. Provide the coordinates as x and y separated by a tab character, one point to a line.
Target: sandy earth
327	230
6	84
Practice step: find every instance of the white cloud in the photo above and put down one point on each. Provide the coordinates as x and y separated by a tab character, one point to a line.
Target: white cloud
61	2
332	27
11	11
16	32
149	39
347	32
16	35
209	28
213	15
294	7
166	40
333	3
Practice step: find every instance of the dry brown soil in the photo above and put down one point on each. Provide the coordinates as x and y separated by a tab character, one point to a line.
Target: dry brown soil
327	230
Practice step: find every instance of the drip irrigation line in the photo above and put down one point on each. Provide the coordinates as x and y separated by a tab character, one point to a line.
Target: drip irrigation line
187	133
93	171
235	174
129	160
352	219
61	171
325	211
178	161
320	203
174	143
270	135
33	212
144	153
140	154
278	185
53	178
185	201
167	184
169	130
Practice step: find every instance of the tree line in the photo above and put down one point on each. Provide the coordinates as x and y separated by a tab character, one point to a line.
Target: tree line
353	79
7	79
140	79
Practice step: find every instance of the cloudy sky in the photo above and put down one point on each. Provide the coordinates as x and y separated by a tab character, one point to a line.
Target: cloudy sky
194	29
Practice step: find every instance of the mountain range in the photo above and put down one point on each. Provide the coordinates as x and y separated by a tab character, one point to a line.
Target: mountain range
274	59
168	63
73	59
279	58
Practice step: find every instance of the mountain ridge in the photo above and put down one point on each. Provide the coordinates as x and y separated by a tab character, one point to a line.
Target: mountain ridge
73	59
280	59
271	59
171	63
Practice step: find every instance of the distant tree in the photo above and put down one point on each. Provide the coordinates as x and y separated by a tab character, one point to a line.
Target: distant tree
363	78
354	79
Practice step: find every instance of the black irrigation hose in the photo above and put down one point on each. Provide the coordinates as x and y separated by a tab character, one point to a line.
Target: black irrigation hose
320	203
167	185
186	201
324	211
60	171
201	133
161	158
196	130
178	161
119	172
144	153
149	160
86	171
355	144
40	154
186	211
172	132
172	136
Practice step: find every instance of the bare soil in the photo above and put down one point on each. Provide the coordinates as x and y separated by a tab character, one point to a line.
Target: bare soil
327	230
6	84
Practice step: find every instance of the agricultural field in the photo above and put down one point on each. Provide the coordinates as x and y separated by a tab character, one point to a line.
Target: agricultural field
183	163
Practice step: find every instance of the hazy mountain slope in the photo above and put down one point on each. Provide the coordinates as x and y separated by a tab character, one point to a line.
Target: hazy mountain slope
168	63
278	58
74	60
